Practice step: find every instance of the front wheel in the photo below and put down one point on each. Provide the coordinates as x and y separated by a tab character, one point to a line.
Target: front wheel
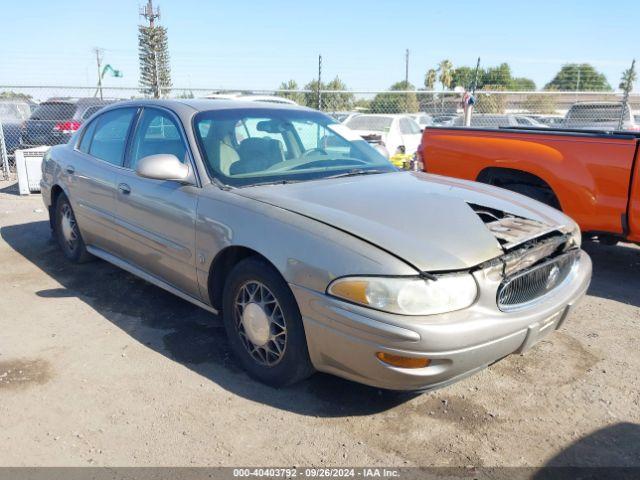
67	232
264	325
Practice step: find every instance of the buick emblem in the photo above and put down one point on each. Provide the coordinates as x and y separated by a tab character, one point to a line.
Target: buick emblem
552	278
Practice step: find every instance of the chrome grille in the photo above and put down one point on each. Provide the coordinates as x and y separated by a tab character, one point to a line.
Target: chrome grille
533	283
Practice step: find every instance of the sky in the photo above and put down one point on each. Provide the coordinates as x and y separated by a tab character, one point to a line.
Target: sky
256	45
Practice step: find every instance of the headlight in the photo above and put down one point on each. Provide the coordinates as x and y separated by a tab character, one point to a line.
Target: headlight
408	295
576	235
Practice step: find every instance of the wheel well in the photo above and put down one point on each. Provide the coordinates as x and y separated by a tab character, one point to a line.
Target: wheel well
222	266
56	190
504	176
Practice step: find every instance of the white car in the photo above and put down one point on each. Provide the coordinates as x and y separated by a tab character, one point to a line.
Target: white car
423	119
250	98
398	133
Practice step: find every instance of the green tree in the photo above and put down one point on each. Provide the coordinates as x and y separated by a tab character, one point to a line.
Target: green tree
337	100
499	76
10	95
445	67
491	103
629	77
362	104
153	53
542	103
430	79
578	77
297	97
186	94
464	77
341	100
522	84
389	102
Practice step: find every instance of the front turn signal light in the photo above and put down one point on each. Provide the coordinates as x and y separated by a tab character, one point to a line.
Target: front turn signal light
403	362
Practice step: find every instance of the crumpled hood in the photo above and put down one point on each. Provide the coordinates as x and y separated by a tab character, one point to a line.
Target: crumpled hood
424	219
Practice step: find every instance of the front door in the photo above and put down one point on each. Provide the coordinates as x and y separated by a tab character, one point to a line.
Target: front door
157	218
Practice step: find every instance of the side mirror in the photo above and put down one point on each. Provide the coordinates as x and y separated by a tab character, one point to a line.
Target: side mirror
164	166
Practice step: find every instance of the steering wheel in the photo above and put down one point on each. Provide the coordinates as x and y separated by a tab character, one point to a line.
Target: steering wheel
310	152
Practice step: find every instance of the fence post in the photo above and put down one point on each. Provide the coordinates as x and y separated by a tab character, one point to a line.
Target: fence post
3	154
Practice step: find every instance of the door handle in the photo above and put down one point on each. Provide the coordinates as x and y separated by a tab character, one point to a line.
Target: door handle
124	188
70	170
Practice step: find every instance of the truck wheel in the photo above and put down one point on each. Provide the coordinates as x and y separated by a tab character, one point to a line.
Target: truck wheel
537	193
67	232
264	325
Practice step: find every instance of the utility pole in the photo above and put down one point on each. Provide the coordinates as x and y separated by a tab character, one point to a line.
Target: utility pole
319	82
98	52
151	15
406	68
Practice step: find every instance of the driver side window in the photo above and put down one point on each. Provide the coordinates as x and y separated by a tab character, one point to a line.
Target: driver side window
157	133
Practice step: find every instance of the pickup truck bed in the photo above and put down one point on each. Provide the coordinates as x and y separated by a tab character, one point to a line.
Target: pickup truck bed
591	176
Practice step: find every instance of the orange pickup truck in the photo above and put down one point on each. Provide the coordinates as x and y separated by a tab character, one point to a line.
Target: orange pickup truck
591	176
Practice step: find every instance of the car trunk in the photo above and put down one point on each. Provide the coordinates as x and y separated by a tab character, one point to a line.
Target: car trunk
40	128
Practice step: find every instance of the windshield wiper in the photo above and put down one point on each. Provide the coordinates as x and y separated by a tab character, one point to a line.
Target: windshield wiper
357	171
274	182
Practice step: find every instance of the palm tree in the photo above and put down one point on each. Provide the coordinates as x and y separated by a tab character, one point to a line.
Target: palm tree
430	79
629	77
445	67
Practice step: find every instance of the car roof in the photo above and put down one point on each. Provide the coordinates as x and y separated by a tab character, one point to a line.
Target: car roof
203	104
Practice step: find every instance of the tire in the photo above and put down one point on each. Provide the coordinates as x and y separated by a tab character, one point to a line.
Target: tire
68	234
540	194
257	304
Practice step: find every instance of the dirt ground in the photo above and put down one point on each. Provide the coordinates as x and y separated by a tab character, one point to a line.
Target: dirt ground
100	368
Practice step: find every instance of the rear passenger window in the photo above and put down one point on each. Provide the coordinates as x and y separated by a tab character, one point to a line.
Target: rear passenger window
87	136
157	133
110	135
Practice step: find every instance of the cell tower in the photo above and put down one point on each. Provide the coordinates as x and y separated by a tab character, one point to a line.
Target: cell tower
149	13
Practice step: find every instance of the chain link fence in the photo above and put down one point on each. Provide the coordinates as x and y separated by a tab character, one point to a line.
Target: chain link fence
32	116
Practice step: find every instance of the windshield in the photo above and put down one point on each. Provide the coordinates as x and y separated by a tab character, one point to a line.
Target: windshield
247	146
370	122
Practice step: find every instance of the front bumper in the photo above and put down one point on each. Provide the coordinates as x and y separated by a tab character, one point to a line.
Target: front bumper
343	339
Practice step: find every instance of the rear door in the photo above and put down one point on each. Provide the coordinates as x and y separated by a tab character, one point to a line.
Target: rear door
92	173
157	218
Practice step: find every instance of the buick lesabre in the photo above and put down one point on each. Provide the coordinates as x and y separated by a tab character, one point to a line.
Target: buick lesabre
317	253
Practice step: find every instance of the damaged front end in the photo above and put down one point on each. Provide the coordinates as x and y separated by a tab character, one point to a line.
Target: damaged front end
537	258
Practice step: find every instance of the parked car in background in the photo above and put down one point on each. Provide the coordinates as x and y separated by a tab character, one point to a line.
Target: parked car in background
549	120
440	120
488	120
246	97
318	253
343	117
12	114
397	133
423	119
54	121
527	121
592	176
599	116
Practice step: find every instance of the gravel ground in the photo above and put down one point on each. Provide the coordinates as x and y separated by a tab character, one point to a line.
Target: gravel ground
100	368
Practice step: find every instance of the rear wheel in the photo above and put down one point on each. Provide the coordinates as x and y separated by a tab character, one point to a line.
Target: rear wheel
540	194
67	232
264	325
